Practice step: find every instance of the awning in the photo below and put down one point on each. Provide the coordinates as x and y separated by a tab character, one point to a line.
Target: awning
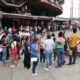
24	16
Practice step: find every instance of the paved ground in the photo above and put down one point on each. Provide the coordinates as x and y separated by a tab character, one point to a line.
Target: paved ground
21	73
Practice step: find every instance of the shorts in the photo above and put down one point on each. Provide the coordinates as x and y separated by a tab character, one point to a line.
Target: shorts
14	52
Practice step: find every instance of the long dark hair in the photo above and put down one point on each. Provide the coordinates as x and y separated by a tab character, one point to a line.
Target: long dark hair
60	34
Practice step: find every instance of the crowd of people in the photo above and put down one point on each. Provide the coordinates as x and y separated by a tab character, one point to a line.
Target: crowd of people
37	48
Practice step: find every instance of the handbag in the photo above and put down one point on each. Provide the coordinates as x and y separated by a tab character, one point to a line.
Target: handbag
33	59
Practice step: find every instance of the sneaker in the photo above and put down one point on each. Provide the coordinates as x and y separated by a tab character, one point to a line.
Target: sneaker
50	67
46	69
11	66
34	74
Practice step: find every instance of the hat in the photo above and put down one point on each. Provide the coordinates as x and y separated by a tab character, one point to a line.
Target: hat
27	29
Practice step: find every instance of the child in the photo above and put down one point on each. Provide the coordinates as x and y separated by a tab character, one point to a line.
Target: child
14	51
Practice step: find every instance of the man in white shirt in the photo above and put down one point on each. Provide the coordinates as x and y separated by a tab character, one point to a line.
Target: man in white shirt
42	54
26	33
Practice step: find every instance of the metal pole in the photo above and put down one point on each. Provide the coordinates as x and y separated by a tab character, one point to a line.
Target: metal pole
79	10
71	10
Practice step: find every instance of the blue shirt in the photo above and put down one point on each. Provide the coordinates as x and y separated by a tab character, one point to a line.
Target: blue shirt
26	45
9	37
32	34
33	47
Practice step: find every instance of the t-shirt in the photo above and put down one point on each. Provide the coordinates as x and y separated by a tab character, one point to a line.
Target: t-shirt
9	37
26	34
48	44
9	30
42	41
12	45
20	34
33	47
2	42
26	45
32	34
16	38
59	45
73	39
63	26
13	29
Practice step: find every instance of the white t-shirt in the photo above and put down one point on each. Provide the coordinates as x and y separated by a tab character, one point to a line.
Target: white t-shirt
42	40
49	27
12	45
10	30
25	34
48	44
20	34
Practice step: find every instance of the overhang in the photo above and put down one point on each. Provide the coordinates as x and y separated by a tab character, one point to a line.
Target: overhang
21	16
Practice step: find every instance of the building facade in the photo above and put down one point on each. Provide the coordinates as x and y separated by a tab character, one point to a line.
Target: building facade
30	12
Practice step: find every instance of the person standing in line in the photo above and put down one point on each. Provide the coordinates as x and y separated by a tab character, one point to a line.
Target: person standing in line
54	50
42	54
48	47
59	45
4	46
27	53
9	41
17	38
14	52
73	46
35	48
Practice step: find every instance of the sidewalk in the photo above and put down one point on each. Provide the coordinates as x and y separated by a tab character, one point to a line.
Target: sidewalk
21	73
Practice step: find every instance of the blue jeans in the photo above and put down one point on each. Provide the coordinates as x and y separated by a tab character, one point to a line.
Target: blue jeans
34	65
4	55
60	54
48	54
42	56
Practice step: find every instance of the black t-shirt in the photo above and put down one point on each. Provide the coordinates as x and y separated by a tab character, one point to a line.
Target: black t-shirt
16	38
3	42
26	45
